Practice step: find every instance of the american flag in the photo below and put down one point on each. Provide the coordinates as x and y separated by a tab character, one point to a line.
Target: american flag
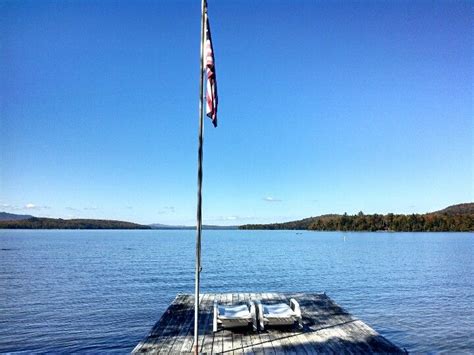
211	84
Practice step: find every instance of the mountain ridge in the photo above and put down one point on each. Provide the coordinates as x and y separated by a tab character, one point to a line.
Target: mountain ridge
59	223
5	216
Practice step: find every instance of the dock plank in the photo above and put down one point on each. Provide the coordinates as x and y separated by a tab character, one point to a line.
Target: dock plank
258	343
295	335
208	336
153	341
227	334
186	326
278	336
189	337
246	343
327	328
274	334
237	347
205	323
218	337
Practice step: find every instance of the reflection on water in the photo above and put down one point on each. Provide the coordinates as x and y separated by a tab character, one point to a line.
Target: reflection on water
103	290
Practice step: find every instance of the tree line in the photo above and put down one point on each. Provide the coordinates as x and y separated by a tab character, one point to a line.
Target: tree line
58	223
431	222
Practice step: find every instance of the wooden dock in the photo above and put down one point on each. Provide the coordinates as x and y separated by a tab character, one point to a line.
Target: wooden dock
327	328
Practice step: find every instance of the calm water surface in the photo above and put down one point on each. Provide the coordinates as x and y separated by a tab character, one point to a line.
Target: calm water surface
103	290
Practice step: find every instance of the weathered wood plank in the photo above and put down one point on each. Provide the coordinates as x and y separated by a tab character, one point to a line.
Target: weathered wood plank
154	338
171	332
208	340
245	339
227	334
274	334
205	323
187	323
218	345
255	339
324	333
277	336
189	338
296	335
237	333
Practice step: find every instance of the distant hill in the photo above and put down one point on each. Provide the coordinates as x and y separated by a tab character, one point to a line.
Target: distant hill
205	227
58	223
16	221
456	210
210	227
301	224
165	226
4	216
453	218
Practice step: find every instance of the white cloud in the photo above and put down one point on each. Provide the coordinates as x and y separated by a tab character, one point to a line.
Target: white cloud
90	208
271	199
32	206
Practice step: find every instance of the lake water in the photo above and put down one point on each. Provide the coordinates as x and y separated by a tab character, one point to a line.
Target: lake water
66	291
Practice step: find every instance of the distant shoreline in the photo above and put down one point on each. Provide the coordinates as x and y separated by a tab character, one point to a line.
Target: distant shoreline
456	218
35	223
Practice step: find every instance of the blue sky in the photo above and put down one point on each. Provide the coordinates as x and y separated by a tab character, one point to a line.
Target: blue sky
325	107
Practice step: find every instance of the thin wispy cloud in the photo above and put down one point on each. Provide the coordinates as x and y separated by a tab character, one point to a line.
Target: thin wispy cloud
167	210
229	218
28	207
90	208
32	206
10	207
72	209
271	199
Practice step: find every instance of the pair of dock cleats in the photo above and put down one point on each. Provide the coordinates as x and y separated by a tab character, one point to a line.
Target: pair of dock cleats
257	314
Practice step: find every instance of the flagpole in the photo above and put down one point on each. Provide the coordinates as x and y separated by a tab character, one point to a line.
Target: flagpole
199	189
